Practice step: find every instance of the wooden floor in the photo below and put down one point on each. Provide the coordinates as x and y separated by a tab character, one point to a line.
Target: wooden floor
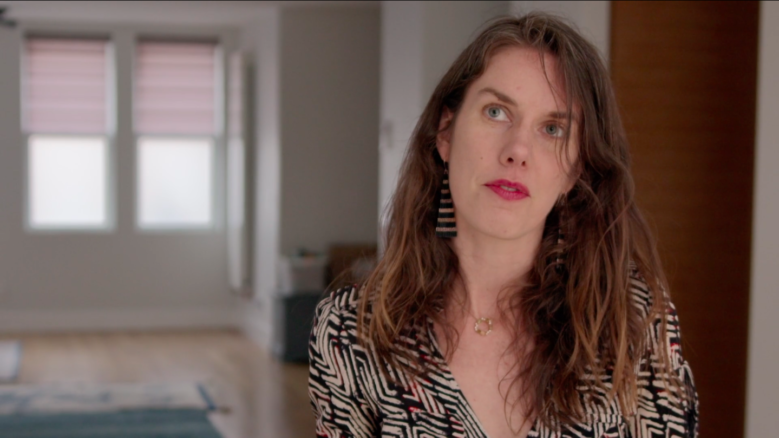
265	398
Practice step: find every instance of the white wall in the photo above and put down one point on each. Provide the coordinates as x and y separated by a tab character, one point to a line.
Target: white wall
401	89
260	42
316	128
449	26
763	381
329	126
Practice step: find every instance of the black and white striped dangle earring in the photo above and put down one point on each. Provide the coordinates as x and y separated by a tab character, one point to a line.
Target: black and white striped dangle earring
445	224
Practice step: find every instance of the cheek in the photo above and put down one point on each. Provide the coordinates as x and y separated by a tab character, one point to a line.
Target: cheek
554	179
466	158
559	164
458	180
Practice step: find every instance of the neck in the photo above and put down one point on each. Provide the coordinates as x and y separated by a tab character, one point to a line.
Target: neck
487	266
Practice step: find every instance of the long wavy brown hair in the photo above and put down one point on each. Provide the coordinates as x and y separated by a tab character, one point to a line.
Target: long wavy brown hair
575	302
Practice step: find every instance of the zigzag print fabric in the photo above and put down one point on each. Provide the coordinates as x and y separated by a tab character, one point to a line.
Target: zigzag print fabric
352	398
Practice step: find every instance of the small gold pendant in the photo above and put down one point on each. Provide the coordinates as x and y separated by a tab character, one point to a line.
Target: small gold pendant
477	327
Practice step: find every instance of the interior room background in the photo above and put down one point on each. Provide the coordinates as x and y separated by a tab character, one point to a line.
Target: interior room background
330	96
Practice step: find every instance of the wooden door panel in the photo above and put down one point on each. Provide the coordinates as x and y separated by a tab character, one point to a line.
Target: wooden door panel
685	75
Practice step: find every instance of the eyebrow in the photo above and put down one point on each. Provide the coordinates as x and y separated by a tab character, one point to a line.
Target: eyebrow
506	99
501	97
562	116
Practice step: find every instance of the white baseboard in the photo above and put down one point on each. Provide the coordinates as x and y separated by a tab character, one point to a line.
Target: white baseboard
116	319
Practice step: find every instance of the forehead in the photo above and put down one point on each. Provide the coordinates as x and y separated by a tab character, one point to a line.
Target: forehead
524	74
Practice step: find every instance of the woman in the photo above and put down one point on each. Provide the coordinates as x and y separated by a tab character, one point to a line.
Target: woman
520	292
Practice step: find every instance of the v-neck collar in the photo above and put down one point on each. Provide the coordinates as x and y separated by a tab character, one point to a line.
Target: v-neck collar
447	373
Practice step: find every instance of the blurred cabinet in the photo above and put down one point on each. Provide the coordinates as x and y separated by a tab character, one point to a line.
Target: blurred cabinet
294	315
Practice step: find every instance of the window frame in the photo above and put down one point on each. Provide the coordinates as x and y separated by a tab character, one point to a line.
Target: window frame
109	135
218	152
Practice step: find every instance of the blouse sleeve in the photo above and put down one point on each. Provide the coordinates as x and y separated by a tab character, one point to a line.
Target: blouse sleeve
339	406
662	406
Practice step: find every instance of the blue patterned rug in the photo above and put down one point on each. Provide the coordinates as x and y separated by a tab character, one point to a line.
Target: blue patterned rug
154	423
60	398
130	410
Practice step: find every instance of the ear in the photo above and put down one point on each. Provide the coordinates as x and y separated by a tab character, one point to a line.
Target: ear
444	138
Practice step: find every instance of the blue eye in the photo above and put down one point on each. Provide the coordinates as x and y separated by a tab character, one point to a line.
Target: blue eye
554	130
496	112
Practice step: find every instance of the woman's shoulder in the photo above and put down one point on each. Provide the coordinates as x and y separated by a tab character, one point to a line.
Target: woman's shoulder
645	299
652	305
641	294
658	399
336	313
345	300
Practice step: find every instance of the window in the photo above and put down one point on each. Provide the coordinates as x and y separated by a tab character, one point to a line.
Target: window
65	121
175	181
175	124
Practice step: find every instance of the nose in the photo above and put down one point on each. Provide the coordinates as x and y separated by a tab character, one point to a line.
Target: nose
516	146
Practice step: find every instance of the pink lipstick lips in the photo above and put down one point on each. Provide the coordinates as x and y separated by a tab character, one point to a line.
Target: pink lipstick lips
508	190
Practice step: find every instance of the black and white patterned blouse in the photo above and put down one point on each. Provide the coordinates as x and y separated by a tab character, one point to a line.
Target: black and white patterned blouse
352	398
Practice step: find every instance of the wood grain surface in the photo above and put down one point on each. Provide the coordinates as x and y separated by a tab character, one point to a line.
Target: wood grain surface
685	74
263	397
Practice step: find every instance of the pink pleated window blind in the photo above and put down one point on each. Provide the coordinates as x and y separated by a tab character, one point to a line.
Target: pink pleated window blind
65	85
175	88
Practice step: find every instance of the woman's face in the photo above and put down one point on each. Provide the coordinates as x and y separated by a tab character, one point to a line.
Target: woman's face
505	171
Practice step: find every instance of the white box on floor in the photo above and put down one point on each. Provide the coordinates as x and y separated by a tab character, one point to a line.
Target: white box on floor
302	274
